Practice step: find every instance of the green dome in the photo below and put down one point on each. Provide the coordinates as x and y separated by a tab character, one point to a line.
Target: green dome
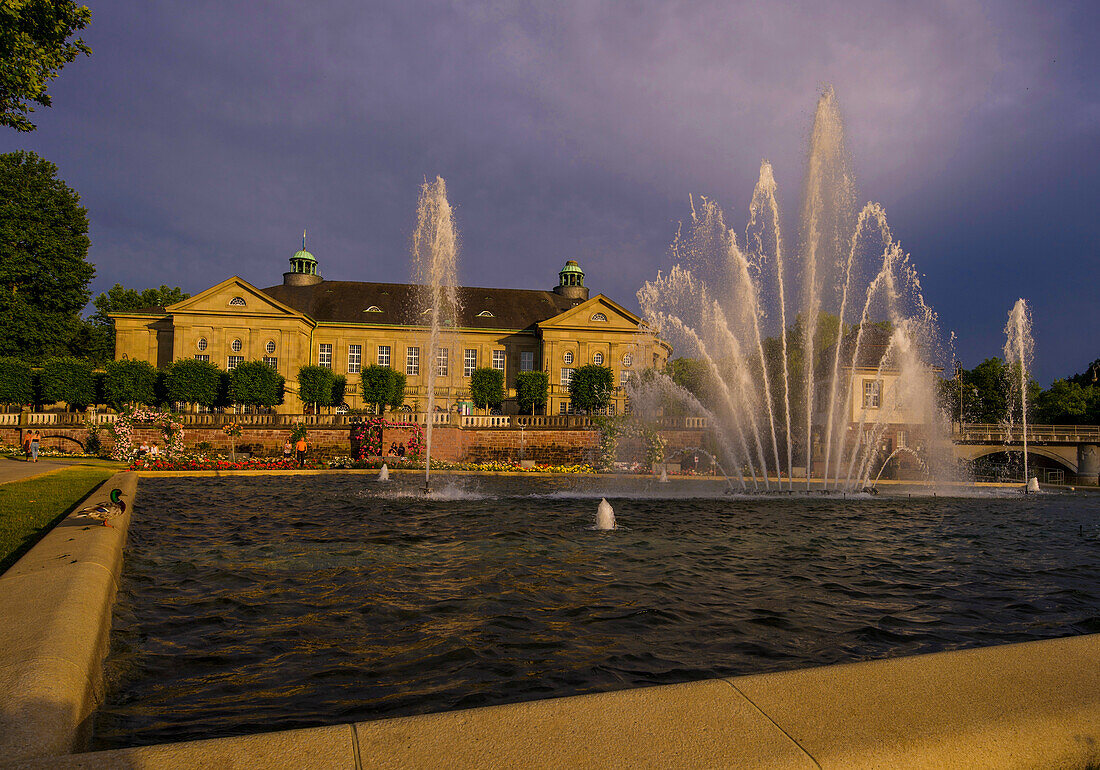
572	267
303	254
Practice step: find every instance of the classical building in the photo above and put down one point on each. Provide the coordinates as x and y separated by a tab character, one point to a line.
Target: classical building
349	325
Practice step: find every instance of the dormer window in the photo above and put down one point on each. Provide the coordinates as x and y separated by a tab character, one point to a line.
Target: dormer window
484	314
237	301
373	309
599	317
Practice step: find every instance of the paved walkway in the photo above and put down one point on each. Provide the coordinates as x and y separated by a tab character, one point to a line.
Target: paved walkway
14	470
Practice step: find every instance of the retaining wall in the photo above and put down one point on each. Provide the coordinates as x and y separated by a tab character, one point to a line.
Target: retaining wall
544	446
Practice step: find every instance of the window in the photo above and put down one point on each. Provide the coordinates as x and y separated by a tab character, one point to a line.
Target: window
270	347
566	377
568	357
202	343
412	361
441	361
872	392
902	439
484	314
526	361
498	359
234	362
469	362
628	359
201	357
355	358
236	345
598	359
373	309
624	378
599	317
324	355
383	355
238	301
271	361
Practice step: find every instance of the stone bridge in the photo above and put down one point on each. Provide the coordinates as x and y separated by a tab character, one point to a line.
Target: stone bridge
1076	448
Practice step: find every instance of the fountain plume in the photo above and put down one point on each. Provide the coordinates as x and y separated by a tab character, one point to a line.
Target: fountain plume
435	254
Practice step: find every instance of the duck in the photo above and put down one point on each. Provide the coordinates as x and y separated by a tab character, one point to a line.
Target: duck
104	512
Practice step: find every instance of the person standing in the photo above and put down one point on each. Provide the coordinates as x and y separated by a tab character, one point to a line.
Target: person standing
300	449
287	449
35	441
27	445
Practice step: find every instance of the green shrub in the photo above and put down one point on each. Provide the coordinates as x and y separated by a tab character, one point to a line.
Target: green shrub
487	387
129	382
15	382
532	390
67	379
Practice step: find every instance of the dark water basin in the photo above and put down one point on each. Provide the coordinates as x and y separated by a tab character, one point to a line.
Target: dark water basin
256	604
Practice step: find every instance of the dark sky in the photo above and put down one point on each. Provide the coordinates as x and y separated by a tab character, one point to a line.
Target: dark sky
204	136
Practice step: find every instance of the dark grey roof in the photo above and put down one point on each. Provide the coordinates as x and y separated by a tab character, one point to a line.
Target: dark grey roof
401	304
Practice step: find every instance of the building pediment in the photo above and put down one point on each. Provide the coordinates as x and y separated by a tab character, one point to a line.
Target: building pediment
597	313
234	297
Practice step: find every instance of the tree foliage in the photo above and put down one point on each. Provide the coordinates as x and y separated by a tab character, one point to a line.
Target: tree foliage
487	387
192	382
254	383
130	382
397	395
34	46
15	382
339	389
532	390
380	385
315	384
43	271
67	379
590	390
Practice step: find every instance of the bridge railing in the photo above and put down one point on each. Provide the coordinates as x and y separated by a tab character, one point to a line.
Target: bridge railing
970	431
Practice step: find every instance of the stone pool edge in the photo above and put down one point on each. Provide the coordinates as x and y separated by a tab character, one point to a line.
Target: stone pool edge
55	617
1029	704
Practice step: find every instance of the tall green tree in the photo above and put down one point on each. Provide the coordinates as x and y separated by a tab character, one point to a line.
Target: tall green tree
315	385
590	390
67	379
487	387
34	46
130	382
44	273
254	383
377	384
15	382
189	381
97	338
397	394
532	390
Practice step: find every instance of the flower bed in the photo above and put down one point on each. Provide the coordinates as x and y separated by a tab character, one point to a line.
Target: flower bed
203	463
221	463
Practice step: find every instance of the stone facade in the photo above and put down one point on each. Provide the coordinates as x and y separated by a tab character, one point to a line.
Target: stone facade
348	326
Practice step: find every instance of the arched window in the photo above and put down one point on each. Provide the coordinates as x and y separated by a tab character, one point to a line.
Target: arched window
270	347
238	301
599	317
373	309
236	345
484	314
628	359
202	343
598	359
568	357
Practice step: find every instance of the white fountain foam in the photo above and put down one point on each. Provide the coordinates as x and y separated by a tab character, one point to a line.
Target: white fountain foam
605	515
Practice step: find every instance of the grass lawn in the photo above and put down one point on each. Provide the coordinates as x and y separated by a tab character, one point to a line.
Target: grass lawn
29	508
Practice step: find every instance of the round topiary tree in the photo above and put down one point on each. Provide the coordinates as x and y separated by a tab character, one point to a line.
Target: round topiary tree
487	387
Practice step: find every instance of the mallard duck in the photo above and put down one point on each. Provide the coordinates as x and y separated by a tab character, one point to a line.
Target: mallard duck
104	511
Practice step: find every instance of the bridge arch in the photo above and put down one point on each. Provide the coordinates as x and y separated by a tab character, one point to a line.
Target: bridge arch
978	452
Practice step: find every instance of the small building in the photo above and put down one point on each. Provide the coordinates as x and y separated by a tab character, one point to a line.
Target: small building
870	399
349	325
